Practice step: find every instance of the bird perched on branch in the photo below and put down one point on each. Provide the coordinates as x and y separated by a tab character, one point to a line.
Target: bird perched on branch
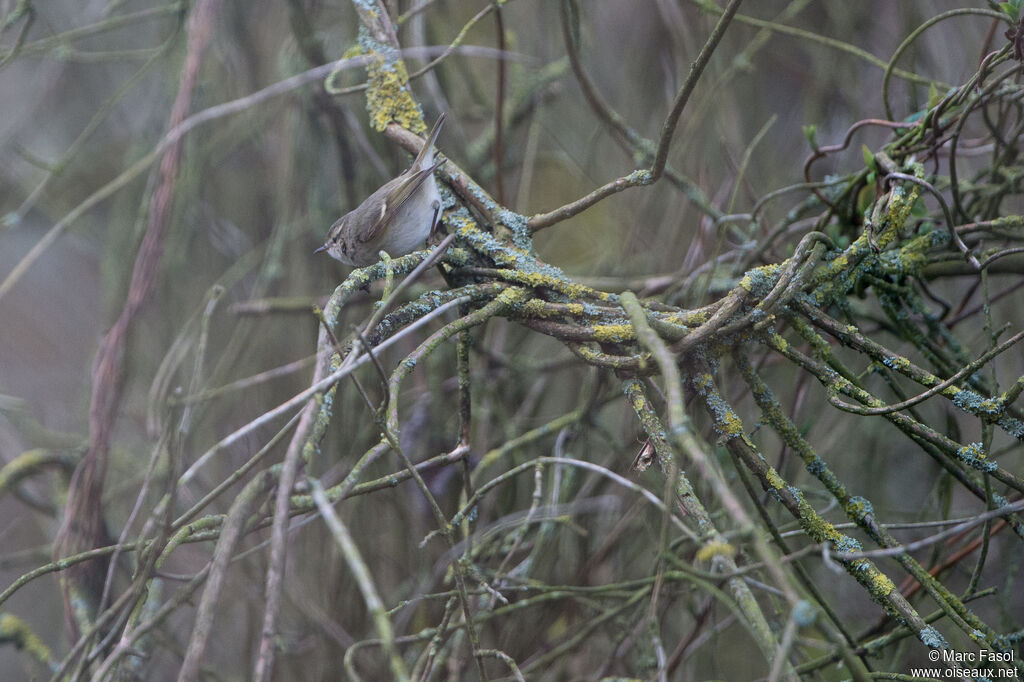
397	218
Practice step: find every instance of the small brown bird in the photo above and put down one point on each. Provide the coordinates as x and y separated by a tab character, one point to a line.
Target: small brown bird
397	218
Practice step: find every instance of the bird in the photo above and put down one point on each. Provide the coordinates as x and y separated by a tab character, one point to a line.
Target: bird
397	218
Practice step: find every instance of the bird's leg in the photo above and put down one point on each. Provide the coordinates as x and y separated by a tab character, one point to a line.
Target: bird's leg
434	221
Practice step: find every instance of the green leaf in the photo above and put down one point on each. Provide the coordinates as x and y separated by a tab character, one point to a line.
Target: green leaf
811	133
869	157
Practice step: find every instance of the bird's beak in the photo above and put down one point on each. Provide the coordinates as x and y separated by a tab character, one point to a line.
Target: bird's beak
322	248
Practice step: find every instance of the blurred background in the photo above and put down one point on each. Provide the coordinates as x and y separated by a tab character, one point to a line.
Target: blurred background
86	91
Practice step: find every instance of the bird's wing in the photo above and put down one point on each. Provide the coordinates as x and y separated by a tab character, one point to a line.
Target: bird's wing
397	198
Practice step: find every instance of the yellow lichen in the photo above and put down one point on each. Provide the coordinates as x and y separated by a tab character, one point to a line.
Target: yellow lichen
15	630
773	479
687	318
881	586
761	277
388	98
715	548
538	308
512	296
730	423
840	385
637	401
614	333
588	354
